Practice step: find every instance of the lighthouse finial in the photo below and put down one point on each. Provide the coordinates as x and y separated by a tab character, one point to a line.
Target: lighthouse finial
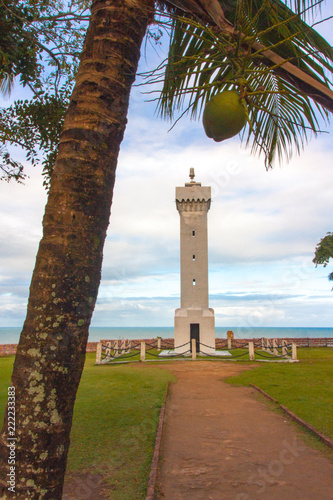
192	174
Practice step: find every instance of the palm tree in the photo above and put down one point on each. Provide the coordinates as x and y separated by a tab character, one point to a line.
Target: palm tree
67	274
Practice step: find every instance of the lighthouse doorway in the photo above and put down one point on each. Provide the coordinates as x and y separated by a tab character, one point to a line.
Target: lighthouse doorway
195	334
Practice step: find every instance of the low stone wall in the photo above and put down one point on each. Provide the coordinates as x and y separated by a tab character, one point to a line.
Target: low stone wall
316	342
300	342
8	349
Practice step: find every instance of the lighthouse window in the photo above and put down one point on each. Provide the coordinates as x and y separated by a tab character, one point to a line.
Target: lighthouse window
193	233
193	257
193	282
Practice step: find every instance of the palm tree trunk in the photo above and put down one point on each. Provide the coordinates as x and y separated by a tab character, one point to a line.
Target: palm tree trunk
65	282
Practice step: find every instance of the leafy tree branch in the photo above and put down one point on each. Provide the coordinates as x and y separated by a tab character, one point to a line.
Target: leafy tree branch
324	252
40	44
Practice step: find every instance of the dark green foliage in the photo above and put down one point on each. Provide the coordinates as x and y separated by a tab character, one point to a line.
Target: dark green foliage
35	125
18	47
40	44
324	252
38	34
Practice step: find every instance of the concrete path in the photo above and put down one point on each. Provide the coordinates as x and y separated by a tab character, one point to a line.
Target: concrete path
222	443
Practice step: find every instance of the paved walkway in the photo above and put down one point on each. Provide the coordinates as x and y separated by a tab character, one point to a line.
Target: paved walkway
222	443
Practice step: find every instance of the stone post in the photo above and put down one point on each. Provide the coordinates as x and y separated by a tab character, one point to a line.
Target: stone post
294	350
284	347
230	337
194	349
275	347
269	346
143	351
116	351
251	351
99	353
263	344
108	350
158	343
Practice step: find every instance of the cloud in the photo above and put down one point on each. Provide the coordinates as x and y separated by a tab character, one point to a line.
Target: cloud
250	297
135	311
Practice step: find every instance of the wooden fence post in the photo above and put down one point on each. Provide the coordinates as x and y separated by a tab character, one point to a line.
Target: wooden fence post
143	351
284	348
251	351
99	353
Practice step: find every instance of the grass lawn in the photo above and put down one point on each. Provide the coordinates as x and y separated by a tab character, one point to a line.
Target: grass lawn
115	420
306	388
6	367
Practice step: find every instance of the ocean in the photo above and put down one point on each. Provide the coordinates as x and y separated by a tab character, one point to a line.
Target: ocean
11	335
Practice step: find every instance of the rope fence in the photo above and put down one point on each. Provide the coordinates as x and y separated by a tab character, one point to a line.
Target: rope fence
255	350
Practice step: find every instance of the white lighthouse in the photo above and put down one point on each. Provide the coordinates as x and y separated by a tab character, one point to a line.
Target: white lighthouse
195	319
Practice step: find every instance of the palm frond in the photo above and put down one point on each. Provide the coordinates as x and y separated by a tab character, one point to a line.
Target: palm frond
6	84
204	60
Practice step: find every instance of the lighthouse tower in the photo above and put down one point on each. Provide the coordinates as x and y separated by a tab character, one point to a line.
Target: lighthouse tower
194	319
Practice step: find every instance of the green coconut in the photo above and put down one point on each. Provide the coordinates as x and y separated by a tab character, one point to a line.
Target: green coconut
224	116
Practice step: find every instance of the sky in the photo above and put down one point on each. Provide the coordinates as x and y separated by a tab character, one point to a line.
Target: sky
263	228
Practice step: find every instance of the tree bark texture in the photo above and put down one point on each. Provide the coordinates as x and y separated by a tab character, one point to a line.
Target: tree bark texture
65	282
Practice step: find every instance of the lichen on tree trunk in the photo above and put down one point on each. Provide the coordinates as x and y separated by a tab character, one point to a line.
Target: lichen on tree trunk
65	282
